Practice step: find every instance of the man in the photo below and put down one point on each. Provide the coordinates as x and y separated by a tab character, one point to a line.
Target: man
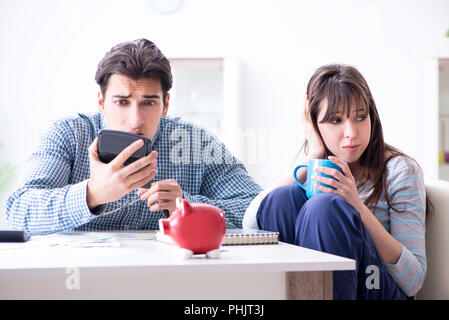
65	186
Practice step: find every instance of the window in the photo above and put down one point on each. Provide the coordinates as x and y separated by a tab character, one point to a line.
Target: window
207	92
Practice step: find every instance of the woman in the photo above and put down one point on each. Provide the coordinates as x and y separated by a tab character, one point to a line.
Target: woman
376	213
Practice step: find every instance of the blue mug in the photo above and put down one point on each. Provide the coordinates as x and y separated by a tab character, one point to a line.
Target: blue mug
310	187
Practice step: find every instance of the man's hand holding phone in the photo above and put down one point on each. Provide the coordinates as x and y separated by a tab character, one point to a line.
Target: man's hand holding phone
111	181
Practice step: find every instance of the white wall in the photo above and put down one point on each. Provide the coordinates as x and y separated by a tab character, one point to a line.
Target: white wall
50	50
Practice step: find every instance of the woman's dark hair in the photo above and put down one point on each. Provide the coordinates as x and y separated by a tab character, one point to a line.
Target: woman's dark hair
136	59
343	86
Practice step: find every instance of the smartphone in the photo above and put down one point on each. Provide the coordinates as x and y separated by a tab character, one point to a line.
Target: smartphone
13	236
112	142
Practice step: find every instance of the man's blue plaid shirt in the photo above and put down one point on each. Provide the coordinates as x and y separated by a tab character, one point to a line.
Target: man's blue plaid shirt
51	195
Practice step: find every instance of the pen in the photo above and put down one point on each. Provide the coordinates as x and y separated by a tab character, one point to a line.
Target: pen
166	212
121	207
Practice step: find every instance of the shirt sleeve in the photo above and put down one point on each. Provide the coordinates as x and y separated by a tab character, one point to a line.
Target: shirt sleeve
45	202
406	191
250	218
227	185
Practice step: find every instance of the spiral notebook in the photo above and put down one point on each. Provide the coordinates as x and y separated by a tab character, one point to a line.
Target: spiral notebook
237	237
249	236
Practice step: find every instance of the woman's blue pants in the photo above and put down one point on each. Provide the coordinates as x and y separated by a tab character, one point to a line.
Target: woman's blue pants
328	223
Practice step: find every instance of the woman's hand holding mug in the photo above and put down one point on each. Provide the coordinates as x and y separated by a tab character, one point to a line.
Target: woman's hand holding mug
321	175
341	182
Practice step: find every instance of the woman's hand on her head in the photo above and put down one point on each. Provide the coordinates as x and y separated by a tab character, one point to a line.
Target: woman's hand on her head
316	145
345	186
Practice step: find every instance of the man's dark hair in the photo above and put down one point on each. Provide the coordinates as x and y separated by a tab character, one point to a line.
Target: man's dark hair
136	59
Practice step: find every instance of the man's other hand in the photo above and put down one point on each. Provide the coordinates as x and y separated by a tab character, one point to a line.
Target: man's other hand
162	195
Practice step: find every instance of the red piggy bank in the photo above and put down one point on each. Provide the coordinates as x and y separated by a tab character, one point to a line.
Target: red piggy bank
195	228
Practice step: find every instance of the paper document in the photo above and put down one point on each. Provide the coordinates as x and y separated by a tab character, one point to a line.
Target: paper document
67	239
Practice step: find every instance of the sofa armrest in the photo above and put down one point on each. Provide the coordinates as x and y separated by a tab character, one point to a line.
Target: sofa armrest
436	284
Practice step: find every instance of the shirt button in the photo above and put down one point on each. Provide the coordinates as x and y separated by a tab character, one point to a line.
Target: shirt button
126	227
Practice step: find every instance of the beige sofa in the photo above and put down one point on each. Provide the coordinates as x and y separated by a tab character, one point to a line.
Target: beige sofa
436	283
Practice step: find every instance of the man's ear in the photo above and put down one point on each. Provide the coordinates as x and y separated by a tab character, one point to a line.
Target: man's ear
100	103
166	104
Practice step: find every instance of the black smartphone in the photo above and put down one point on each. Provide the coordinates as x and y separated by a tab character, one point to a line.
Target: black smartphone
112	142
13	236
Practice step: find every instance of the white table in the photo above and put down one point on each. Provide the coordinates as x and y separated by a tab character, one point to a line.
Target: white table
148	269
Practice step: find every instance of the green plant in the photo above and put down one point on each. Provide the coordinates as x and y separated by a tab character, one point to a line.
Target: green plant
6	173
